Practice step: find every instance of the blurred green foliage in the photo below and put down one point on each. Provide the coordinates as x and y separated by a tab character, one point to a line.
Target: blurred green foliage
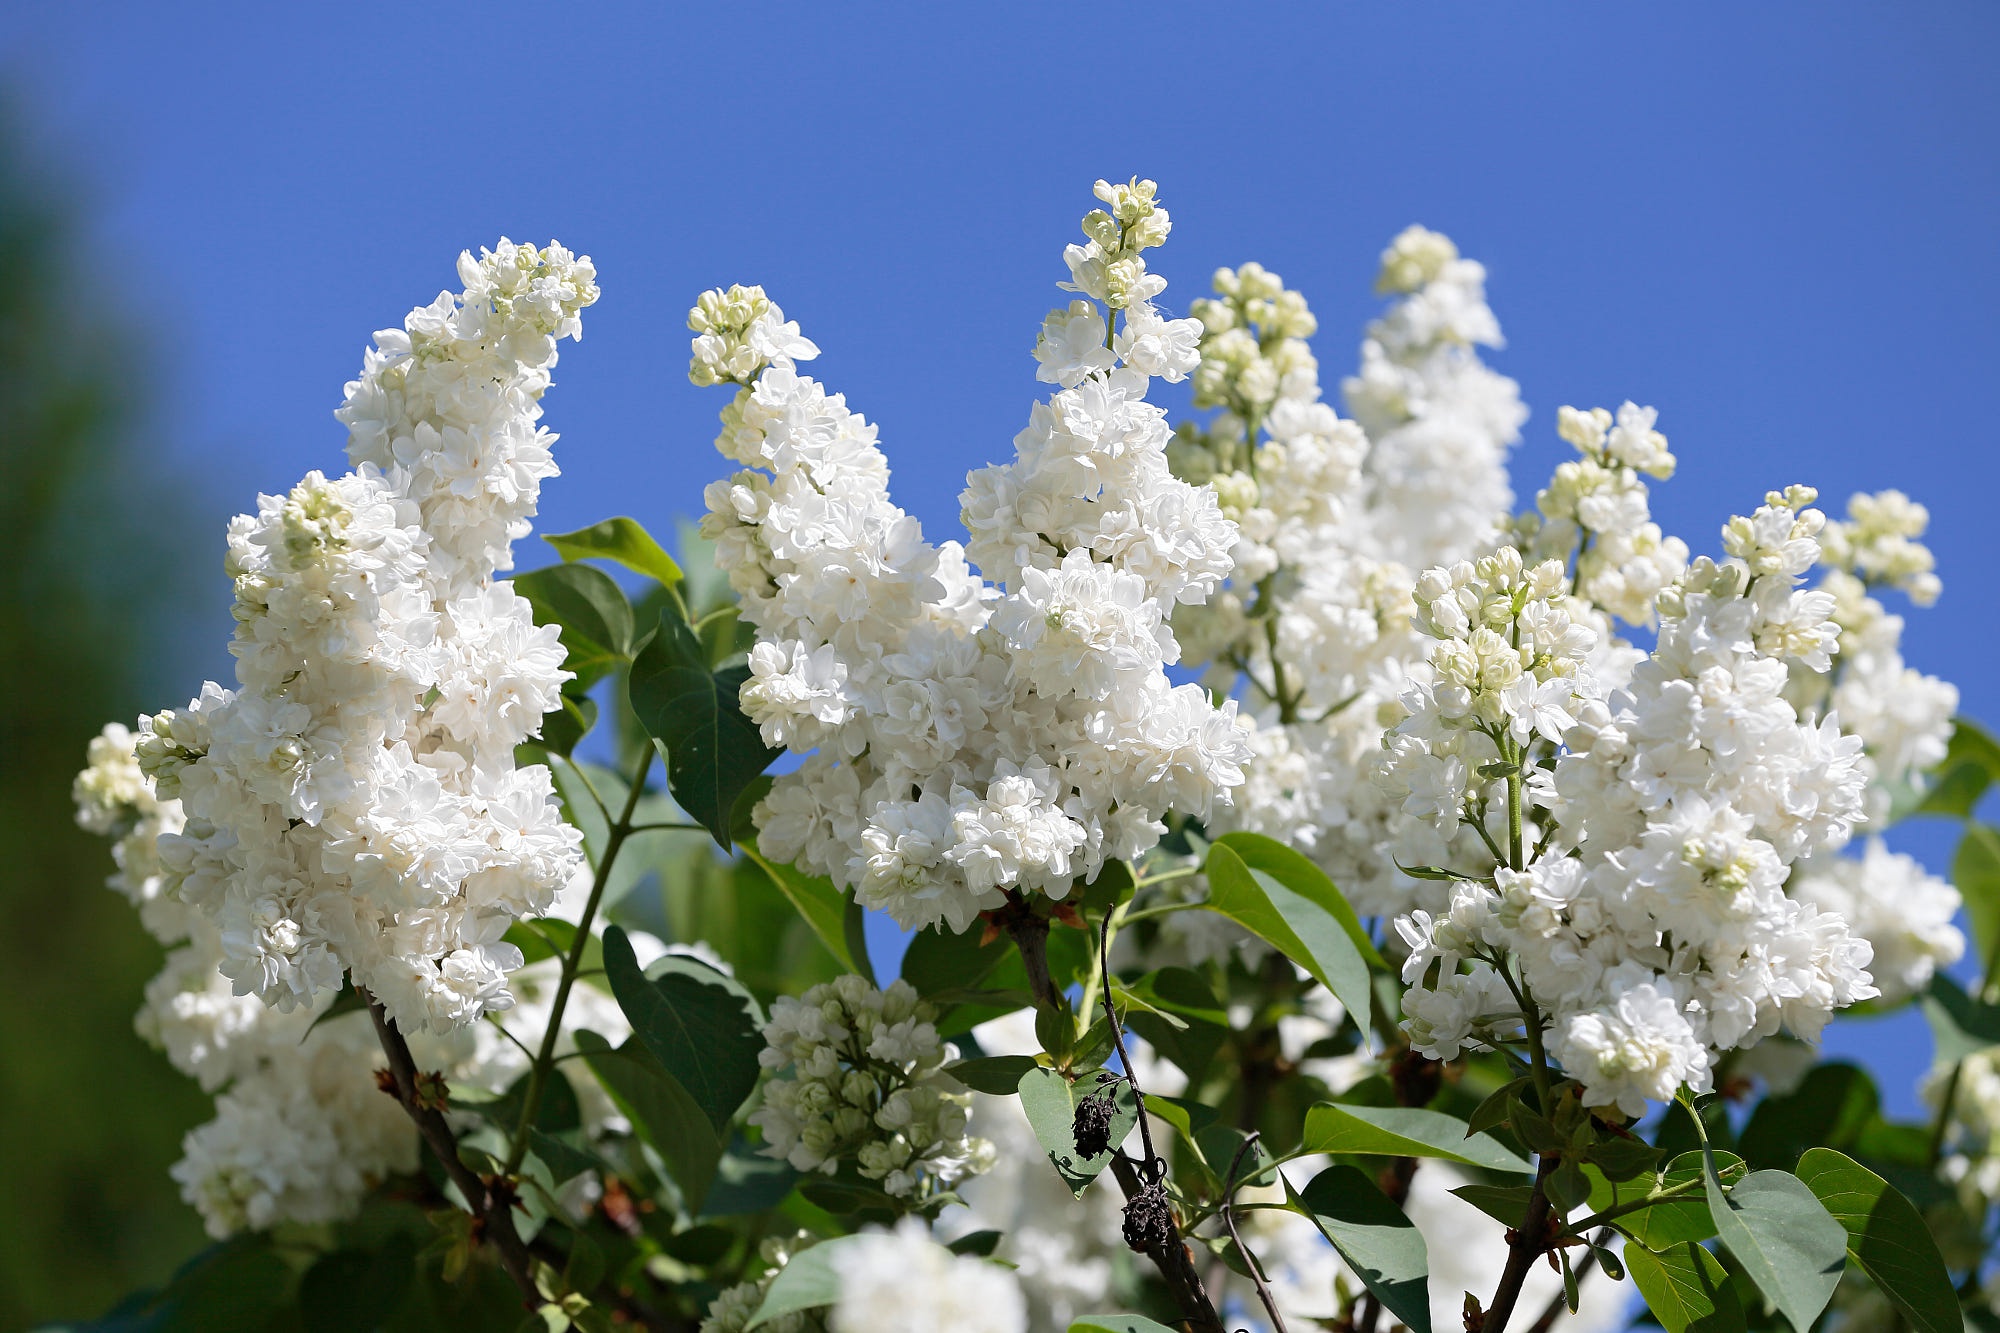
93	550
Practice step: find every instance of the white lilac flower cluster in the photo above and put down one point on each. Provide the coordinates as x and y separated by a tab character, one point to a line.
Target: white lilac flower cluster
967	739
1649	928
866	1083
1597	506
1904	719
301	1129
353	805
1902	910
1439	421
1316	620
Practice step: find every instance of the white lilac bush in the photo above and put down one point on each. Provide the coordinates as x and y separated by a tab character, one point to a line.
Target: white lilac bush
1341	899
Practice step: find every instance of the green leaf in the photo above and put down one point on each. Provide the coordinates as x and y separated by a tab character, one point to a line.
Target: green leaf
701	1034
823	907
1971	764
564	1159
1492	1112
1300	927
236	1286
558	1112
1050	1102
1687	1289
1398	1131
1290	867
620	539
938	960
1117	1323
999	1075
1786	1241
713	751
1507	1204
1381	1245
566	724
356	1291
1955	794
1188	1117
1960	1025
748	1185
979	1244
348	1001
1678	1220
854	932
660	1109
1975	873
1622	1157
1887	1237
810	1280
1832	1105
591	611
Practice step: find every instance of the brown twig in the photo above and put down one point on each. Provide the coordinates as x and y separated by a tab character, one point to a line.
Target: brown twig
1030	933
1174	1262
491	1200
1249	1258
1525	1244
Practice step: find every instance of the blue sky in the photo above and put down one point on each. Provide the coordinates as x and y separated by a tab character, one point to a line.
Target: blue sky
1775	223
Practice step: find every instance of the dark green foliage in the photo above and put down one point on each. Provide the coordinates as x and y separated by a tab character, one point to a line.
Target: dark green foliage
713	752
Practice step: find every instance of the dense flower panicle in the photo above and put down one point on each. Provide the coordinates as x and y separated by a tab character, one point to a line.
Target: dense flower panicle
1887	898
448	407
969	738
1315	620
301	1129
1439	421
860	1078
1650	927
1597	506
1904	720
353	805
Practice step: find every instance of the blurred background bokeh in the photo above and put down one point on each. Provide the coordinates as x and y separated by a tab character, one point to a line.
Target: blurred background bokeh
97	541
1773	222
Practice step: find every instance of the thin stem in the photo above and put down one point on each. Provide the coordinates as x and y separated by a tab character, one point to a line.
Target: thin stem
681	826
1166	876
680	603
1605	1217
1530	1240
1154	1166
1941	1122
538	1074
590	788
1163	909
1250	1260
728	609
490	1201
1515	859
1524	1245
